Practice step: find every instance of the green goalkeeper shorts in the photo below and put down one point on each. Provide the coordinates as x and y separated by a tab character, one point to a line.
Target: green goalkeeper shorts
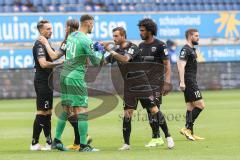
73	92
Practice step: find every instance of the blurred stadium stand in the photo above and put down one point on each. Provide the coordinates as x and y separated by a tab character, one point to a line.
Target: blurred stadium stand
116	5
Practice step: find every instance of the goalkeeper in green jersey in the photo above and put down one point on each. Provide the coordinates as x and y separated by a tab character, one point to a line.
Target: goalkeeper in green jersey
74	96
72	25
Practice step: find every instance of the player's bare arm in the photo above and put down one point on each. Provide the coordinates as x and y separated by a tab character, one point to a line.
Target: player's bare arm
181	70
166	88
53	54
46	64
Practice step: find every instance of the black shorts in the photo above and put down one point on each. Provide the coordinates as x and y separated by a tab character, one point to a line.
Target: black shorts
192	93
44	94
146	103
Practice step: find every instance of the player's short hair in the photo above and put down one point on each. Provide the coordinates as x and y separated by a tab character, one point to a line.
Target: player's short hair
73	24
41	23
149	24
86	17
121	30
190	31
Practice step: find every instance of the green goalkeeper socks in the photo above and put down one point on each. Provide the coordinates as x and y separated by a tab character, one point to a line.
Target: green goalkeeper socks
83	128
61	125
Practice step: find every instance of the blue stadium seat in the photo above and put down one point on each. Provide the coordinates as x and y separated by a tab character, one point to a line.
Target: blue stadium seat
212	1
161	7
220	1
37	2
67	8
188	2
116	1
141	1
164	2
54	2
40	8
229	7
150	1
147	7
80	8
185	7
177	7
125	2
231	1
74	9
46	2
207	7
72	1
134	1
192	7
169	7
1	9
96	1
214	7
176	2
80	1
155	7
107	2
236	7
7	8
197	2
1	4
111	7
102	1
221	7
139	7
199	7
63	1
8	2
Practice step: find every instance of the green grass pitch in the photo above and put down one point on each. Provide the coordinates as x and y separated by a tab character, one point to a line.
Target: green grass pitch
219	123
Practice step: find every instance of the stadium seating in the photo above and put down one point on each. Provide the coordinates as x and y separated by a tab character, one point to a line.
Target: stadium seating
118	5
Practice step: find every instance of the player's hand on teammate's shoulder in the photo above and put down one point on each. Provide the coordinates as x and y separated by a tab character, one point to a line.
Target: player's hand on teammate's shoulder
43	40
182	86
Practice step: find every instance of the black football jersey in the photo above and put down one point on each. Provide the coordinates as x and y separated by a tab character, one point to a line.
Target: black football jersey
39	51
190	56
153	52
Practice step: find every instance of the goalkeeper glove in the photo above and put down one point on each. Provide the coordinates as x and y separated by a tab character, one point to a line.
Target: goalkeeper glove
98	47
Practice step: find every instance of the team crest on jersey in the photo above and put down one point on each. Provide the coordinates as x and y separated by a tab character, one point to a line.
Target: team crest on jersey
40	50
154	49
